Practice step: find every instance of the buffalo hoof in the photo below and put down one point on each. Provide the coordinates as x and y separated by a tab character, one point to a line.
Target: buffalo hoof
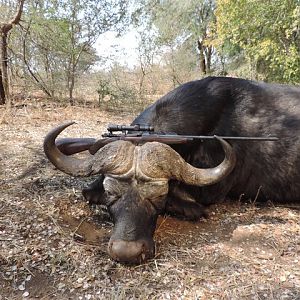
131	252
187	210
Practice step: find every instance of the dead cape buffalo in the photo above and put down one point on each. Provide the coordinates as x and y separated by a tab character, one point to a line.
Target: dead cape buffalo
139	182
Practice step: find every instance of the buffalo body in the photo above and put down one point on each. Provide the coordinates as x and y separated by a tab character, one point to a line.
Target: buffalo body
236	107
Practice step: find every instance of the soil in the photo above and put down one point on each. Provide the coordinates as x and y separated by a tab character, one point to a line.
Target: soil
53	244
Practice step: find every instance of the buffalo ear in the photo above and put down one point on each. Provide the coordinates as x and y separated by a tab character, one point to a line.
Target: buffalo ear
94	193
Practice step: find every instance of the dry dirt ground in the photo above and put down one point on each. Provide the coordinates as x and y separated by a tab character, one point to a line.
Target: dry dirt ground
53	245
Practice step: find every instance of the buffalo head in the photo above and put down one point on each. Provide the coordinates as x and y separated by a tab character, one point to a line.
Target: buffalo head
135	186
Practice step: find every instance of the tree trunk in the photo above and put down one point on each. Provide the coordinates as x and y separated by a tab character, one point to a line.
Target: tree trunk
208	55
202	63
71	88
2	92
141	83
4	64
4	29
71	83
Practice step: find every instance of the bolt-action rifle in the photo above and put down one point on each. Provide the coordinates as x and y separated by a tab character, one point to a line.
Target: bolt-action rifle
145	133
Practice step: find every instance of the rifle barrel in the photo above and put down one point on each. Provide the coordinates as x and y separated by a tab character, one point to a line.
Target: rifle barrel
241	138
153	136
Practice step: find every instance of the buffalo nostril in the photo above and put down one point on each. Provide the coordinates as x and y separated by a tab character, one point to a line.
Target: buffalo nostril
130	251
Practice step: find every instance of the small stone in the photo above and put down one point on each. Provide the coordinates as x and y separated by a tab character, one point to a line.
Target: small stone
282	278
60	286
85	286
28	278
25	294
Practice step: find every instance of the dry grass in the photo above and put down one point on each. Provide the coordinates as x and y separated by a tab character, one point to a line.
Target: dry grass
53	245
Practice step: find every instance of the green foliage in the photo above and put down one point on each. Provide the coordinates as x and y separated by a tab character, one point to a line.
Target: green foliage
183	20
115	91
179	26
266	32
6	10
57	38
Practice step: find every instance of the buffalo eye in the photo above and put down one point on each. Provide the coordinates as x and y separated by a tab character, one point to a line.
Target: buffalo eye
114	189
155	192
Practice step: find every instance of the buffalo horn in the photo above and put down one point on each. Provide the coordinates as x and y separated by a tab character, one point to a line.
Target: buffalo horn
67	164
190	175
115	158
161	161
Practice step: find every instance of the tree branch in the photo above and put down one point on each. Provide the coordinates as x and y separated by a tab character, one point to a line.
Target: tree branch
6	27
16	19
39	82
